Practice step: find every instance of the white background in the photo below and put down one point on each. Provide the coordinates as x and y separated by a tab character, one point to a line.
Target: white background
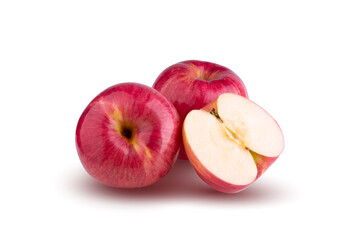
299	60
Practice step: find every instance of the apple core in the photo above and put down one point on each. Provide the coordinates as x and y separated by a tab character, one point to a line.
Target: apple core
234	136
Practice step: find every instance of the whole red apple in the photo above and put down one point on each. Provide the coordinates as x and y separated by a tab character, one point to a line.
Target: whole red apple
193	84
128	136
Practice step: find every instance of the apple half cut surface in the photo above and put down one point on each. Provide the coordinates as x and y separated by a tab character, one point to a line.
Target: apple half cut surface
231	142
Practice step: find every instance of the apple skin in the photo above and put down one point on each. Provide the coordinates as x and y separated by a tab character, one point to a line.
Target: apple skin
262	164
193	84
128	136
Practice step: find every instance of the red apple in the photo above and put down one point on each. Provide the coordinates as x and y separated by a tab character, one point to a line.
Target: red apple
193	84
231	142
128	136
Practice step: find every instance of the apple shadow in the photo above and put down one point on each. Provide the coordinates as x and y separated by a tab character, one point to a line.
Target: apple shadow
180	184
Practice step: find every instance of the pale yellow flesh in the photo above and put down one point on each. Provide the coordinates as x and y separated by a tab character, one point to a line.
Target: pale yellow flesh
223	147
254	125
216	151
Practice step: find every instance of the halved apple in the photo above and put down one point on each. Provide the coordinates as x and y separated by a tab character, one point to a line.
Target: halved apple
231	142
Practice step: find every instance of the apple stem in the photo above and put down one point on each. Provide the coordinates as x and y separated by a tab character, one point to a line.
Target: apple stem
216	115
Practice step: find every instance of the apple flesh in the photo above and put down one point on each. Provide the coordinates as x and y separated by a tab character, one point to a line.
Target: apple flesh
128	136
194	84
231	142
